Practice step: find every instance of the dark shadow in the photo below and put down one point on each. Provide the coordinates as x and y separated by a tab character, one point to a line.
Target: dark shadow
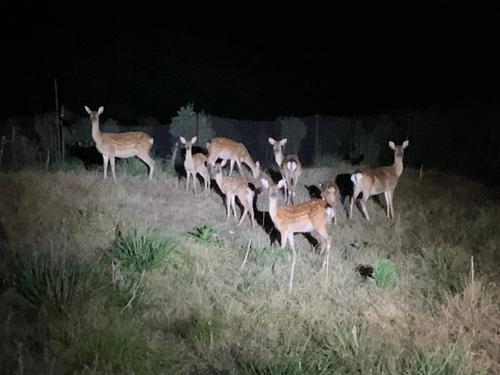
4	242
275	176
346	190
314	191
89	156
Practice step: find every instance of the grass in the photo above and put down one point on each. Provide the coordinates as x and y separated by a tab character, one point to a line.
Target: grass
173	298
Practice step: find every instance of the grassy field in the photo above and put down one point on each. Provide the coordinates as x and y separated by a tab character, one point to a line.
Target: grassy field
143	277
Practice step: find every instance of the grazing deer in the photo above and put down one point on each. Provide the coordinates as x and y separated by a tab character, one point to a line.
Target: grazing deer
300	218
195	164
235	186
223	148
379	180
290	167
120	145
330	193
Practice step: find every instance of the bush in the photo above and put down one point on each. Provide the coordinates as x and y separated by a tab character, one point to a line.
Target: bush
57	285
141	251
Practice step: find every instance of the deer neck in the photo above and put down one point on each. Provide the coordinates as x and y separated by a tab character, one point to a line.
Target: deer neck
273	208
219	178
255	169
189	155
398	165
279	158
96	133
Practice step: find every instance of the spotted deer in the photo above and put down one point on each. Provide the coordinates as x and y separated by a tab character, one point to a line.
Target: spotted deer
226	149
195	164
380	180
290	167
120	145
232	187
330	193
300	218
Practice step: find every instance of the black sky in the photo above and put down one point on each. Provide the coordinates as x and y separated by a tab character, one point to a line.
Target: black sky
247	60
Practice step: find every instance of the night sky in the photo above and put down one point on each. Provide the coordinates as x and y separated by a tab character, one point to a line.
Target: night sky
247	60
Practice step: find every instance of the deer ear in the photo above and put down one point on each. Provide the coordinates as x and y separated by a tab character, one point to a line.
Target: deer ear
223	162
87	109
282	183
271	141
392	145
193	140
101	110
406	144
183	140
265	183
283	141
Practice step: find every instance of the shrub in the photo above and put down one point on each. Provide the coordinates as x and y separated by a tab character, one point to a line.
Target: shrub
141	251
57	285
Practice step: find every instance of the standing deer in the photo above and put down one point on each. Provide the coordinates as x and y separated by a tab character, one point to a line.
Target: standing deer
300	218
379	180
223	148
330	193
120	145
195	164
235	186
290	167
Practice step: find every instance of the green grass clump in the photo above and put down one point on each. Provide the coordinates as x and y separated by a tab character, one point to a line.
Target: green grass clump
131	167
141	250
204	234
203	331
384	273
125	350
56	285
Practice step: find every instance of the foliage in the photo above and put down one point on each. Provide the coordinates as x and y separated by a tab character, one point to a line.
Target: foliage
110	126
132	167
141	250
188	124
203	331
326	161
204	234
59	286
384	273
118	350
295	130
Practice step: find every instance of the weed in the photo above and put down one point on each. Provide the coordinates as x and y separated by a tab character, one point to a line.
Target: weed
204	234
141	251
57	285
384	273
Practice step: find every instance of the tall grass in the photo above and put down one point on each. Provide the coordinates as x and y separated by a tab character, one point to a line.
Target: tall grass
165	300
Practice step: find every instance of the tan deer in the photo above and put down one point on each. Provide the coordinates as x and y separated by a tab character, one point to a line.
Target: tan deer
223	148
120	145
235	186
380	180
195	164
330	193
290	167
300	218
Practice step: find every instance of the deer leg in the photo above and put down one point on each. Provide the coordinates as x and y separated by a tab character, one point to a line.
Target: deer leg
105	161
294	256
228	204
365	211
112	162
150	162
231	165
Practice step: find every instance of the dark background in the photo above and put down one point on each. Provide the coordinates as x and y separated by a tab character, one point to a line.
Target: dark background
247	60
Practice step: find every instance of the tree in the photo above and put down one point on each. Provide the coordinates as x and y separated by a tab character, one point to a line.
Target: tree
294	129
188	124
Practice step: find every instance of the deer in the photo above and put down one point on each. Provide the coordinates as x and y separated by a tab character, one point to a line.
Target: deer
195	164
330	193
120	145
223	148
235	186
300	218
290	167
380	180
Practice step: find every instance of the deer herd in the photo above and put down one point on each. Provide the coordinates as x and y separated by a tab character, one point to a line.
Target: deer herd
305	217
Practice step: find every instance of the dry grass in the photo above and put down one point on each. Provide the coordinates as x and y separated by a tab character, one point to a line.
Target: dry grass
202	314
